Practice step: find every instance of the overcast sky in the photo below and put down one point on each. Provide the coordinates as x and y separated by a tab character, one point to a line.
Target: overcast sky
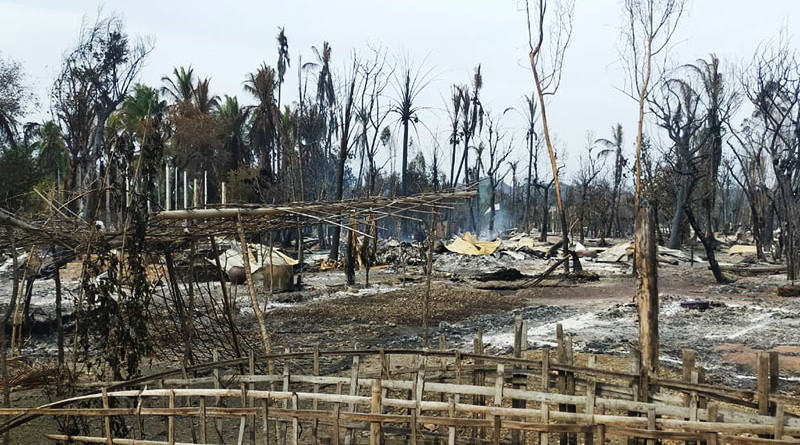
225	40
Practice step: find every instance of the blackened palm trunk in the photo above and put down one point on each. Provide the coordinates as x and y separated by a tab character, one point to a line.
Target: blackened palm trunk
404	167
676	232
709	244
545	216
337	230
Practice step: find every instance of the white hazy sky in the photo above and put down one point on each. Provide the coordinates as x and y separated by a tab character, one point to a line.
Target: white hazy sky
226	40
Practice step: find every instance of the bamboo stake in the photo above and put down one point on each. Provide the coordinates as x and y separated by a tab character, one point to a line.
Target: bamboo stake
170	420
252	290
203	422
428	274
376	433
107	419
352	391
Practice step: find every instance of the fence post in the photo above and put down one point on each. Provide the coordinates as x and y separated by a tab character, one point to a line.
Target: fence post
375	430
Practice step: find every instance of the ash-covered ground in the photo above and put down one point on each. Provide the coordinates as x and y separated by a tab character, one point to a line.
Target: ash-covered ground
725	324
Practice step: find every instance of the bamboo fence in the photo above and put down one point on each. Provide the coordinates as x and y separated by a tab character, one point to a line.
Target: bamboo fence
426	396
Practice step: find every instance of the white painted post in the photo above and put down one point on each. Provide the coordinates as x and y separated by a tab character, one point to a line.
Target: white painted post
176	175
185	190
195	193
205	189
224	194
168	190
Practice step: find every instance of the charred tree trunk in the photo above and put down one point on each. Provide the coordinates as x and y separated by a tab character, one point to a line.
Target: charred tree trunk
709	244
350	257
404	166
337	231
528	187
647	291
492	200
676	227
545	216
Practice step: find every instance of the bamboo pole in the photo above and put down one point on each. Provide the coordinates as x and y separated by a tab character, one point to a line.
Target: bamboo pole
252	290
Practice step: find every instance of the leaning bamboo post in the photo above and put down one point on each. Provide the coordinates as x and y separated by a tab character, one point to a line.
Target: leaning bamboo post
251	288
139	423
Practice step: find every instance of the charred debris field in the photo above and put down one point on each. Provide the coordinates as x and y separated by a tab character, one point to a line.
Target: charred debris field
727	323
506	300
356	245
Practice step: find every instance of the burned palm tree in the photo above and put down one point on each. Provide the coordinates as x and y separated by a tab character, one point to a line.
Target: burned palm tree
454	114
408	87
283	60
266	119
613	147
532	140
232	118
471	120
